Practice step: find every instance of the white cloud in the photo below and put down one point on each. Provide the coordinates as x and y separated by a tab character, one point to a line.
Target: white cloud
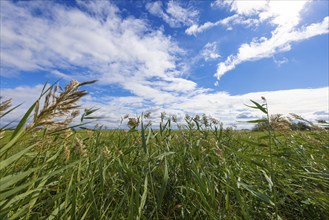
61	75
22	95
95	42
209	51
284	16
279	12
311	104
250	13
280	41
174	14
228	107
227	22
280	62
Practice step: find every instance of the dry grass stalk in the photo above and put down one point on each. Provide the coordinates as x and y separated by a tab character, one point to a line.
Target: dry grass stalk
279	123
309	123
80	147
60	106
5	105
106	152
67	152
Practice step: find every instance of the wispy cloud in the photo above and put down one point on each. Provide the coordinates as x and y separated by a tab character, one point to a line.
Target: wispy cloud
284	16
61	75
174	14
227	22
209	51
280	41
279	62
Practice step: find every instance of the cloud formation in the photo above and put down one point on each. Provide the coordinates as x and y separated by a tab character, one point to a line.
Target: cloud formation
280	41
209	51
284	16
227	22
174	15
94	43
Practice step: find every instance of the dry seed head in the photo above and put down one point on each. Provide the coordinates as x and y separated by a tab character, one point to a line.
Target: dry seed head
75	113
67	152
133	122
2	134
58	106
214	121
297	116
80	147
219	153
4	106
89	132
118	153
106	152
67	133
36	110
197	118
73	85
205	120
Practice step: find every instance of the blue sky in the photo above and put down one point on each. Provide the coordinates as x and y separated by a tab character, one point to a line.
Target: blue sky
176	56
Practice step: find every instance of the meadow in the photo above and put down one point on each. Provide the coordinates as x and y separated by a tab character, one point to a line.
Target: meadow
50	169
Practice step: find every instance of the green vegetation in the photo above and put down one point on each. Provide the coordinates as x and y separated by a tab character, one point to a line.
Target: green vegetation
48	170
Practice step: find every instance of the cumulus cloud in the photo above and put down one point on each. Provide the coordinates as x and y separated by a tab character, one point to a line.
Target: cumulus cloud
175	15
97	43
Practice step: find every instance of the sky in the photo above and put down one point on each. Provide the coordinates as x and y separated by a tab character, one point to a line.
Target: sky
178	57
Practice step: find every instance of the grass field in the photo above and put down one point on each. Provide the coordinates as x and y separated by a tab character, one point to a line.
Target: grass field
199	171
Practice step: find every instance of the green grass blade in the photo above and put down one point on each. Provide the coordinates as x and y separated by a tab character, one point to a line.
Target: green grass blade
7	162
10	180
143	199
260	107
163	184
259	195
23	121
10	110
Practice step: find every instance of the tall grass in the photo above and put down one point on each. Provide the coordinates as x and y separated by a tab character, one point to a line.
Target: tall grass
49	170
